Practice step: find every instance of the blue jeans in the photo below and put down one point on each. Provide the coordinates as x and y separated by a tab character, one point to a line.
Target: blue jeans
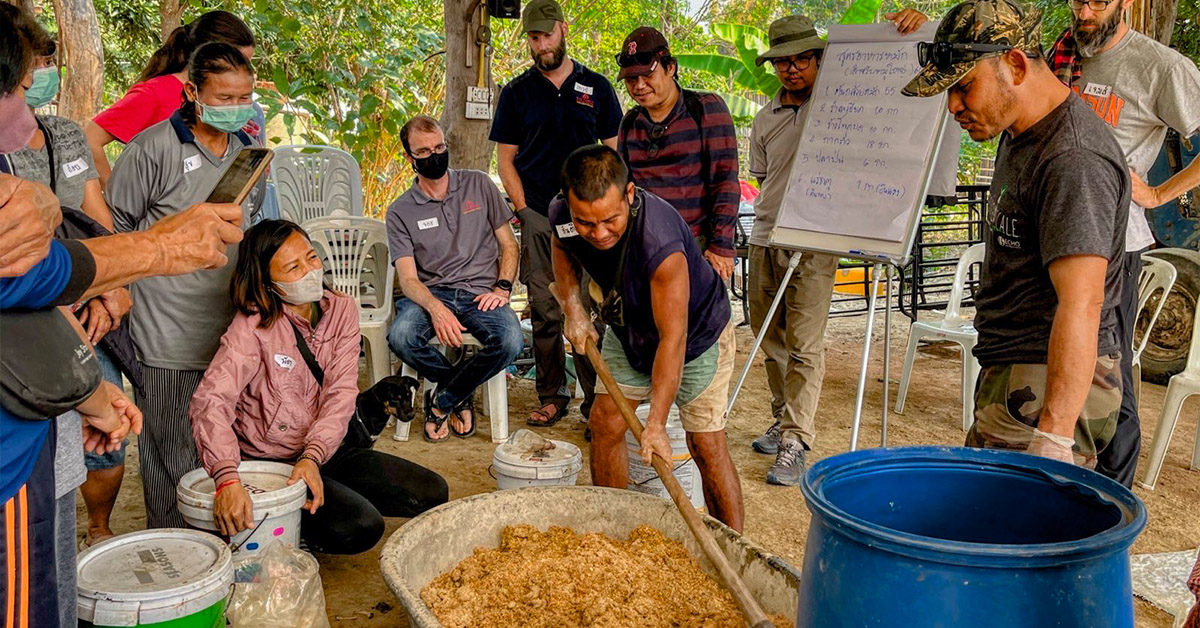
498	331
100	462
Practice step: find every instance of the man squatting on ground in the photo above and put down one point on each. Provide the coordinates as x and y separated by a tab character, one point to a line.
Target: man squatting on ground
670	339
1046	307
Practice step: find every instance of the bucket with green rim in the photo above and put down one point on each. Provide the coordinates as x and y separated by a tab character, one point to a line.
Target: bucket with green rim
168	578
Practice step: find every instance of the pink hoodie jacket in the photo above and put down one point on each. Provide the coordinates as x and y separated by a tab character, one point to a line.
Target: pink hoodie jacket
259	398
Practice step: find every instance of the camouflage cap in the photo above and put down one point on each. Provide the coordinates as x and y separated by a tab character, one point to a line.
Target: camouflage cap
997	22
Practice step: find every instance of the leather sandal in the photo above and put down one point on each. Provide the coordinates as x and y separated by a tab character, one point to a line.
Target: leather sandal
548	420
469	405
437	421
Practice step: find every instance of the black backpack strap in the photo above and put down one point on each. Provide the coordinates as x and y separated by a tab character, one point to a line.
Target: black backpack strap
627	122
318	373
695	109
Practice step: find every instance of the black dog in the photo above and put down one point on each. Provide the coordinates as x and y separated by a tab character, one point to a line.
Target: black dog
391	398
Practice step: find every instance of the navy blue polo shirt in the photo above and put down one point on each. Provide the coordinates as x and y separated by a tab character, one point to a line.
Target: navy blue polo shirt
547	123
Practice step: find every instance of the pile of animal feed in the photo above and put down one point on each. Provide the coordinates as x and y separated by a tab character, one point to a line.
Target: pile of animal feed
563	579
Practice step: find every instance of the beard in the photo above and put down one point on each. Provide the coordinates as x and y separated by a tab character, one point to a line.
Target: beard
556	57
1090	42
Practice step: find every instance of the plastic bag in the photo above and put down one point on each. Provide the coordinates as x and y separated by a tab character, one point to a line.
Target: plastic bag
279	587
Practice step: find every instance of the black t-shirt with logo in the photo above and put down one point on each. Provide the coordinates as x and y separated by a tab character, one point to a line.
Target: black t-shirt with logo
1061	188
546	123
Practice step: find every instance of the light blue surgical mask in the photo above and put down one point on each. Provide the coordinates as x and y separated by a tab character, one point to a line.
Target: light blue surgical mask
227	118
44	88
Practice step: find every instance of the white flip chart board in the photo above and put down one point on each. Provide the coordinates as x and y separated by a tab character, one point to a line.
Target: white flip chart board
866	152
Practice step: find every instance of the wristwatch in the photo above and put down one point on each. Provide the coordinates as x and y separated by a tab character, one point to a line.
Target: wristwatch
504	285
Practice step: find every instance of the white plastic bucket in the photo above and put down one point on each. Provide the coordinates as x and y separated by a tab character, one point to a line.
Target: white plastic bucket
516	468
276	505
168	577
644	479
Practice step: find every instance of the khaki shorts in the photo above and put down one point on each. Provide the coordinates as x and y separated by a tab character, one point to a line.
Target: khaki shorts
1009	398
703	389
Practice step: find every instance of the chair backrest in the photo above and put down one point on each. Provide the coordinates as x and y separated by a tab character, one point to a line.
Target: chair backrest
1157	277
354	251
315	182
973	255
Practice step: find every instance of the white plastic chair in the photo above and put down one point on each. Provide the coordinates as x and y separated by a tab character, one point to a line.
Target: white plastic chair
316	182
956	329
1156	277
495	393
1181	386
354	250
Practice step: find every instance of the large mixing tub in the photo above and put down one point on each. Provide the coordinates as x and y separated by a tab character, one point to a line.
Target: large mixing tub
434	542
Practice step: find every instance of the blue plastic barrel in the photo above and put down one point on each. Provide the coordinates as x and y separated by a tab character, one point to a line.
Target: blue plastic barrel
919	537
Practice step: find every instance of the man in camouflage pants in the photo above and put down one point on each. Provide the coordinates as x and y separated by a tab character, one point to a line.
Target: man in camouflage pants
1046	306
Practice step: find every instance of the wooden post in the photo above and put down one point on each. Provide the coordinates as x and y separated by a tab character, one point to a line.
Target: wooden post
468	139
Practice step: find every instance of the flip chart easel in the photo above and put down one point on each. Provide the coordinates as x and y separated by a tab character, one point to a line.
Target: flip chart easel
858	180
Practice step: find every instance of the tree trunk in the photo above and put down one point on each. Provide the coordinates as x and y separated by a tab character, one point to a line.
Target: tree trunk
1162	20
1154	19
25	5
171	12
81	52
468	139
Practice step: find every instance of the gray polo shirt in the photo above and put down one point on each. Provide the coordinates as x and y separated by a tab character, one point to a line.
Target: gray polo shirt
73	165
453	241
774	136
177	321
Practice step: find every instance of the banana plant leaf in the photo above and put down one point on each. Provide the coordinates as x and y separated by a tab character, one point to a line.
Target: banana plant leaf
749	43
722	66
740	107
862	12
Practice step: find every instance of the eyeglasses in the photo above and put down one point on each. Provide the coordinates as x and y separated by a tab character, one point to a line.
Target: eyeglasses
422	153
638	58
784	63
944	55
1097	6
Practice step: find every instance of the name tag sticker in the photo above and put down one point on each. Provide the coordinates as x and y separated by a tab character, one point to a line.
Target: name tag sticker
428	223
567	230
1097	90
285	361
583	89
191	163
75	167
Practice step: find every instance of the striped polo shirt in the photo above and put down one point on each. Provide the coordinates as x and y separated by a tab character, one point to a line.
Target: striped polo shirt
690	163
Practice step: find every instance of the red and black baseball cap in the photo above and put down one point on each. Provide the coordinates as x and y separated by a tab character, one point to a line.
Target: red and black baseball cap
642	48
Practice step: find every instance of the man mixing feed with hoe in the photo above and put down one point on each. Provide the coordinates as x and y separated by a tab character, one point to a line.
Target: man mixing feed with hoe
670	337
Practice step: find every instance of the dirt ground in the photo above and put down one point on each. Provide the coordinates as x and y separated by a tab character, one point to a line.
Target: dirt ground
776	517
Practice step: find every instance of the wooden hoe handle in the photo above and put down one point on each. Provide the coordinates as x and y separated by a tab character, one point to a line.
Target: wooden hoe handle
755	617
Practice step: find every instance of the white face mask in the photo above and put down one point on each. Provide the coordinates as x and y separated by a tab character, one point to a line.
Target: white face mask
307	289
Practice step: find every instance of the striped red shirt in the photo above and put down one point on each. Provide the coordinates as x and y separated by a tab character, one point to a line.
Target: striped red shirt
692	166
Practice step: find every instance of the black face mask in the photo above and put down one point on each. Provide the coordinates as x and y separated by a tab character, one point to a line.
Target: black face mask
433	166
